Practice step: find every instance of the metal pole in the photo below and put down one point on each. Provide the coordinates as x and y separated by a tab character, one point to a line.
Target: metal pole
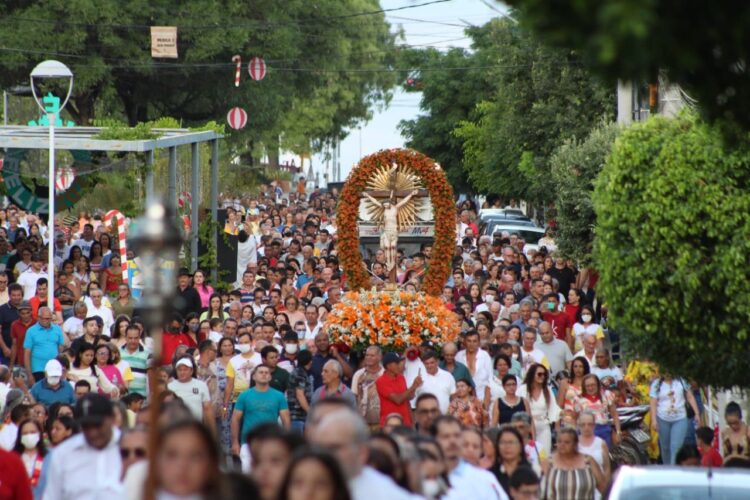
149	177
5	108
214	202
172	191
51	224
195	181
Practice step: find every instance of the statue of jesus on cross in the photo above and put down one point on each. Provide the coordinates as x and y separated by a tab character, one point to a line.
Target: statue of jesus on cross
389	238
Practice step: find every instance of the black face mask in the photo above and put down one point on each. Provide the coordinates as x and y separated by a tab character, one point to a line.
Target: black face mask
173	329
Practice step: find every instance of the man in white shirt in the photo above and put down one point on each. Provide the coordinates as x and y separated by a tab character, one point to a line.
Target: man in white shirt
344	434
73	326
88	466
29	277
97	308
244	363
193	392
86	240
529	353
589	349
479	363
557	352
312	325
436	381
466	480
5	379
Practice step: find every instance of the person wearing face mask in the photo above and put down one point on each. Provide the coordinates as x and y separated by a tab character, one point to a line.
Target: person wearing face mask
490	294
53	388
30	447
173	337
288	359
243	364
558	321
586	327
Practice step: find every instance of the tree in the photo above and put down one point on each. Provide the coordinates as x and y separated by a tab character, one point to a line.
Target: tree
703	46
317	52
575	166
540	98
448	98
671	245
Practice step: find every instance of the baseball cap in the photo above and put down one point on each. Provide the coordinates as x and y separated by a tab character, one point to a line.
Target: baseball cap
318	301
24	305
53	368
93	409
184	362
391	357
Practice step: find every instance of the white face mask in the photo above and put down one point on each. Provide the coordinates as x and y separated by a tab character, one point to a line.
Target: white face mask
432	488
29	441
290	348
586	318
243	348
489	299
53	380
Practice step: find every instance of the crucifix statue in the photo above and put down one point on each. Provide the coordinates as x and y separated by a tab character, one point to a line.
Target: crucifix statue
392	204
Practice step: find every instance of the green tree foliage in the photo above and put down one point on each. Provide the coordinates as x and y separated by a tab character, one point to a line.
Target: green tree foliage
704	46
448	98
540	98
575	166
672	243
317	55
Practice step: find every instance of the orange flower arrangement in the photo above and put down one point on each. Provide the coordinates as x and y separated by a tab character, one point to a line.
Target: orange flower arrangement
443	207
392	320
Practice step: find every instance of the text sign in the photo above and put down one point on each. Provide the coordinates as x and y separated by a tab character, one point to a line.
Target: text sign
164	41
420	229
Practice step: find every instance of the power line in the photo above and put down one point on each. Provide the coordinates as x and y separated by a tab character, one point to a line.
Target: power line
249	25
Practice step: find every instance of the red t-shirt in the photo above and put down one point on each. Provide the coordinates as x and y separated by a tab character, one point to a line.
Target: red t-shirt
35	303
711	458
559	323
14	482
169	344
18	334
386	385
571	312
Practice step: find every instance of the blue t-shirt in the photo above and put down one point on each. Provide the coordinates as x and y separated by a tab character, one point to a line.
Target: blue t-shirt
44	345
259	408
42	393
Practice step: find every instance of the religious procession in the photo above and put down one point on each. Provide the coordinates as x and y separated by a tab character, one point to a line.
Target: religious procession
341	260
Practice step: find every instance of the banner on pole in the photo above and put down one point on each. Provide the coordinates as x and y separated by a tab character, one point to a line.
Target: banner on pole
164	42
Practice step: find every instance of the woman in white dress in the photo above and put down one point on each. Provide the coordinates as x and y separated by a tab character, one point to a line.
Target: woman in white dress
592	445
544	408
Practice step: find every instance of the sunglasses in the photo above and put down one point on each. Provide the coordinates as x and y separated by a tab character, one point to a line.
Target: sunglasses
125	453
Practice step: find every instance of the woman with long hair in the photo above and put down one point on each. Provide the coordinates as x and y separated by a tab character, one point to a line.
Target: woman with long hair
571	387
111	276
61	428
205	291
117	333
82	273
569	474
32	450
314	473
187	462
736	443
544	409
475	295
84	368
96	258
123	304
214	308
585	325
669	417
510	455
225	378
466	407
601	404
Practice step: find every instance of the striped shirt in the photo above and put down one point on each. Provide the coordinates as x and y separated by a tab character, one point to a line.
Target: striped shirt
139	362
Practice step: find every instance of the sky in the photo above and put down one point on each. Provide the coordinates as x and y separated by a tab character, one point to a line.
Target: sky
431	25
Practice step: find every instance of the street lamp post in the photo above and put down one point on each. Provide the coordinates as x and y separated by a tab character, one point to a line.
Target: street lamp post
156	241
49	70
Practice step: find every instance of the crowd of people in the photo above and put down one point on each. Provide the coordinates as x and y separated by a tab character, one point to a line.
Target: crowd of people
255	401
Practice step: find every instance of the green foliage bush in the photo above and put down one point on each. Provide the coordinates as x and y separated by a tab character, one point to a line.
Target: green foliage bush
672	246
575	165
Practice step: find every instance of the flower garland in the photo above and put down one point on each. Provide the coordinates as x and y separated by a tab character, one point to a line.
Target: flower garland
392	320
443	208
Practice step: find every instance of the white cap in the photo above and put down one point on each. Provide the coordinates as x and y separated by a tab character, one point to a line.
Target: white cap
184	362
53	368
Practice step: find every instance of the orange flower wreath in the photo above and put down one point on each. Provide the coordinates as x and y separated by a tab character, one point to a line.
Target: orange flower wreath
443	207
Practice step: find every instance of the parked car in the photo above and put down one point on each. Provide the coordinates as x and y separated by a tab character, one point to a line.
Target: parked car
679	483
502	213
530	234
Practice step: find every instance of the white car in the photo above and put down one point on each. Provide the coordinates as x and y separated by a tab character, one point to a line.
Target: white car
657	482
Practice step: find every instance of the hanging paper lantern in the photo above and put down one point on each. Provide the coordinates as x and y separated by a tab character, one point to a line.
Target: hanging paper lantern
257	68
64	178
237	118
